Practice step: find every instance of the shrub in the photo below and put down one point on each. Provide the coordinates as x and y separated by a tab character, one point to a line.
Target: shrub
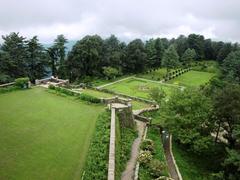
51	86
89	98
145	157
156	168
22	82
147	145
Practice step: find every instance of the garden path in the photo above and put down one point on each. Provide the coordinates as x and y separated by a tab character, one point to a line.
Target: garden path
128	173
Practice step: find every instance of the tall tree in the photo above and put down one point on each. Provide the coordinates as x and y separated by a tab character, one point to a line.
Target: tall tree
85	58
151	53
208	49
181	45
188	56
224	51
186	115
231	66
57	54
227	112
159	51
170	58
112	53
37	59
196	42
136	57
13	60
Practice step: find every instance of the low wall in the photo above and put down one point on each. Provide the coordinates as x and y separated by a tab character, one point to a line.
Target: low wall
111	161
7	84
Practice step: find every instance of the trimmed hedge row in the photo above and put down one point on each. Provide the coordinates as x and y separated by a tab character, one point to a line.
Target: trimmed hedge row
96	166
82	96
175	74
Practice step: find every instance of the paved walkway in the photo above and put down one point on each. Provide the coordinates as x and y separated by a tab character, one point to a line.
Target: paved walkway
115	82
129	172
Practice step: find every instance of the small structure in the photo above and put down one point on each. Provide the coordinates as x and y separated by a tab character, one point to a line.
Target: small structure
53	81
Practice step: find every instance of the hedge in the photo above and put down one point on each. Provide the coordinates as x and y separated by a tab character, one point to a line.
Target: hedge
22	82
96	166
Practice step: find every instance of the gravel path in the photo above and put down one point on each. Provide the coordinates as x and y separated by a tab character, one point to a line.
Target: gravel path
114	82
128	173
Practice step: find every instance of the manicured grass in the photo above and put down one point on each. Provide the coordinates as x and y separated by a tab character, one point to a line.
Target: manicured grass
135	104
192	78
43	135
137	88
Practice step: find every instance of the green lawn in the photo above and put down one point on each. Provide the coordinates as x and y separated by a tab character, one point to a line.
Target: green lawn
192	78
137	88
43	135
135	104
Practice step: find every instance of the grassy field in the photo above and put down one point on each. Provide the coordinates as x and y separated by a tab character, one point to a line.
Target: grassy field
135	104
137	88
192	78
44	136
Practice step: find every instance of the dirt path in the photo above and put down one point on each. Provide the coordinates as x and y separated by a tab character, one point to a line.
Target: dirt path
170	161
128	173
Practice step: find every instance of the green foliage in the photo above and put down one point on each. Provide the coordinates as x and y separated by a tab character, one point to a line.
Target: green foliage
188	56
22	82
196	42
147	145
170	58
157	94
89	98
144	158
110	72
187	113
5	78
97	160
231	66
8	89
156	168
136	57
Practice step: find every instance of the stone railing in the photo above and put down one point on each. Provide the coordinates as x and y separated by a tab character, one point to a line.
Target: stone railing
53	80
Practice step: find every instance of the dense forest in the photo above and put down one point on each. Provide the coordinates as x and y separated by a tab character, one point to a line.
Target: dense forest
95	57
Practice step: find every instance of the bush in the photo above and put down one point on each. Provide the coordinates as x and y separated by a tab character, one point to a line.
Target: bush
22	82
5	79
145	157
147	145
96	166
51	86
156	168
89	98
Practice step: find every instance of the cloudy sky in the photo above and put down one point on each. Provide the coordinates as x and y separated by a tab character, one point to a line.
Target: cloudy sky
127	19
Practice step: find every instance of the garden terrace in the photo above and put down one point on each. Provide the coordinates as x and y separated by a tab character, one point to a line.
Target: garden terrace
138	87
44	135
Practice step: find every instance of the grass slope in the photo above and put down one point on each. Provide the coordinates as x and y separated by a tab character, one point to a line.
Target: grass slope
192	78
44	136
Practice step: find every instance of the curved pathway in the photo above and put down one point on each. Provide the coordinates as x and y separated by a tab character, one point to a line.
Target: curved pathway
129	172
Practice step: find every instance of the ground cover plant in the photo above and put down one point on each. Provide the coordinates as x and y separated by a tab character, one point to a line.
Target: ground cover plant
44	136
137	87
154	74
145	172
192	78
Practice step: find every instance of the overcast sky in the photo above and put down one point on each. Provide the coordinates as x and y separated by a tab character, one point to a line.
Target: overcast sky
127	19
